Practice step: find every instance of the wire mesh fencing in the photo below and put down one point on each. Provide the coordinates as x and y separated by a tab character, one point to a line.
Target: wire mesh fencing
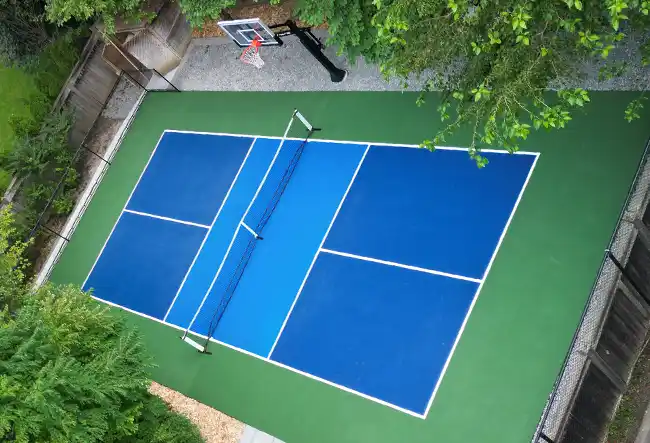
91	161
562	412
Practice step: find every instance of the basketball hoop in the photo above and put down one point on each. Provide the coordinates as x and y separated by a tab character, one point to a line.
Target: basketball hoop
251	55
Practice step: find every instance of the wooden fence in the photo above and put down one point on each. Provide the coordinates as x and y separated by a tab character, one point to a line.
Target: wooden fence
612	333
87	89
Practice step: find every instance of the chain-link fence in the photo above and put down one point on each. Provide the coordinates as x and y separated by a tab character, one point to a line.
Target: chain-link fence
566	406
91	160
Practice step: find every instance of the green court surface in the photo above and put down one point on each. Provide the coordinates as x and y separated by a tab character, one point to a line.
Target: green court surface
517	336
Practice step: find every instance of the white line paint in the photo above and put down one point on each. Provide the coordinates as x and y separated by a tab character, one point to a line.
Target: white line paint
400	265
349	142
241	221
110	234
302	285
205	239
267	360
478	290
249	229
169	219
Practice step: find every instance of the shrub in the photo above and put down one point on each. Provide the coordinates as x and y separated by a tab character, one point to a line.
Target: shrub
74	372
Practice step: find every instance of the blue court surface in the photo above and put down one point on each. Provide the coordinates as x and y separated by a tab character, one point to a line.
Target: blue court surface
368	268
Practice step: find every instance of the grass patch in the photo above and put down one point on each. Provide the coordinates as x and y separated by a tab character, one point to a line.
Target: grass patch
629	415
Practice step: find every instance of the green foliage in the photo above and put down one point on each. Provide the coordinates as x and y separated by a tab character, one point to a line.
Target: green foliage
349	23
492	60
158	424
22	105
23	31
53	65
32	154
510	51
197	11
12	266
71	371
634	108
63	11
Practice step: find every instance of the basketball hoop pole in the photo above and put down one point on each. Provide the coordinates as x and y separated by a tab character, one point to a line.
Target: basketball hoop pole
313	46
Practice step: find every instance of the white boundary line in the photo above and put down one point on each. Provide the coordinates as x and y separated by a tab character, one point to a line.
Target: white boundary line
101	251
267	360
478	290
214	220
169	219
400	265
348	142
241	221
302	285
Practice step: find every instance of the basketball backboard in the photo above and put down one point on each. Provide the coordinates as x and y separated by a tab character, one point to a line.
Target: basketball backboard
244	31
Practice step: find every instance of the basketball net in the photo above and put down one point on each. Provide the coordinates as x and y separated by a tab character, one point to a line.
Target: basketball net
251	55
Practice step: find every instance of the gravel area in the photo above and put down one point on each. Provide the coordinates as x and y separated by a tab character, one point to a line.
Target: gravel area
212	64
215	427
635	77
123	99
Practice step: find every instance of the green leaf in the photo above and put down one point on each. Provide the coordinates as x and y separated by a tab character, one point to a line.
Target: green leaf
578	5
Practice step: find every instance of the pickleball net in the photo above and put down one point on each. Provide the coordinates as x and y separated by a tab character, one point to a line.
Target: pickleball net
259	212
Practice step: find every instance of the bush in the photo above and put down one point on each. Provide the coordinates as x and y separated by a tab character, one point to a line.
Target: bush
22	106
158	424
74	372
12	278
52	67
33	153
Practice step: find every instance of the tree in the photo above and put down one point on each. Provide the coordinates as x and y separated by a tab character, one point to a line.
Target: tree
12	267
493	60
70	370
196	11
23	29
63	11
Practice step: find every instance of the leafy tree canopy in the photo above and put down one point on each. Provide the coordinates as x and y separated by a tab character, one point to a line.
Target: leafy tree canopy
63	11
23	29
71	371
493	59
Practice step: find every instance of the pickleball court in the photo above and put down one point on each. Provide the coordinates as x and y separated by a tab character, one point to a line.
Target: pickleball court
370	261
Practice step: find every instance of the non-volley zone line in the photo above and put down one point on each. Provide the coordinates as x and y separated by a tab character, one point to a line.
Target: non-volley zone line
400	265
169	219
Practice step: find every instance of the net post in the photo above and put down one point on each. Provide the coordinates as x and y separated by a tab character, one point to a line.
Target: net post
304	121
253	233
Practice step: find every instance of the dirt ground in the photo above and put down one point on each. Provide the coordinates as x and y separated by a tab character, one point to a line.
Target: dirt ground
628	418
215	427
269	14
